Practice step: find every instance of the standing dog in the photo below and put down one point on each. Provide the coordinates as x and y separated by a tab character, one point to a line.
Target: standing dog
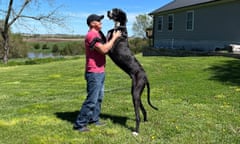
123	57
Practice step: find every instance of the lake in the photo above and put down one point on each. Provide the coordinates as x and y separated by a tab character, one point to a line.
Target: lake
41	55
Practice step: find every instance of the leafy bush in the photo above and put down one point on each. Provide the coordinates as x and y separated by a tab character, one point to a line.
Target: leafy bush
73	49
36	46
137	44
45	46
55	48
18	48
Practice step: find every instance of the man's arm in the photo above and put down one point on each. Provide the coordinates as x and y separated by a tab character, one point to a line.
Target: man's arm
104	48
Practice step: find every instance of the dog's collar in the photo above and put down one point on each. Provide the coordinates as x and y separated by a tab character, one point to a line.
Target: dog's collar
121	28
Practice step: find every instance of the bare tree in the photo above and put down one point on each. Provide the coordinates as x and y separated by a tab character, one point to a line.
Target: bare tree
12	14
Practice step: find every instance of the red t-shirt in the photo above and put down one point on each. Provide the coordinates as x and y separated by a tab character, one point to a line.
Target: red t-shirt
95	61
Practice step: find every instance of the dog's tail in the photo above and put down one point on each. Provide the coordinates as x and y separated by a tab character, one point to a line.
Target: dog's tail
148	96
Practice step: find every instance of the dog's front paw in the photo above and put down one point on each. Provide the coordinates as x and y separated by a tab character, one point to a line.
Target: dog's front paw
135	133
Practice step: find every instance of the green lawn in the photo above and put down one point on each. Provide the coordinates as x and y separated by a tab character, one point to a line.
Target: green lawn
198	100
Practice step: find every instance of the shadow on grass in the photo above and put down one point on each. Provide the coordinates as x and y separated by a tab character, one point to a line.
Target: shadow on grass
71	117
67	116
228	72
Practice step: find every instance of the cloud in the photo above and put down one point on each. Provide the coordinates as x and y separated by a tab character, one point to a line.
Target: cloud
132	17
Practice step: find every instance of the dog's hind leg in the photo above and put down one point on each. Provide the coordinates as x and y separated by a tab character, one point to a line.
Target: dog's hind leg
140	86
136	104
144	112
137	89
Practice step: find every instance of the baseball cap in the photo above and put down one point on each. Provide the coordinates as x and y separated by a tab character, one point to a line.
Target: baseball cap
94	17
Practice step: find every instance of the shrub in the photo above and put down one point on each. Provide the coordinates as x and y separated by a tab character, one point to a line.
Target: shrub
55	48
74	48
18	48
137	44
44	46
36	46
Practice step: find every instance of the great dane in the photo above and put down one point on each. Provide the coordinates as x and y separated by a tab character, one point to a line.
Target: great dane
124	58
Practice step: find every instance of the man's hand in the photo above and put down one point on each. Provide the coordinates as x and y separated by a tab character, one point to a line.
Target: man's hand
104	48
116	34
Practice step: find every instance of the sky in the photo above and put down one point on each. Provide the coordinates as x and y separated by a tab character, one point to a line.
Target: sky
77	11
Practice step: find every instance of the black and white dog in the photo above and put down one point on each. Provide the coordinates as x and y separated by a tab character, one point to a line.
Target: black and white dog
123	57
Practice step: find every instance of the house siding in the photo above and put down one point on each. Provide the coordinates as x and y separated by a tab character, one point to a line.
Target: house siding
215	26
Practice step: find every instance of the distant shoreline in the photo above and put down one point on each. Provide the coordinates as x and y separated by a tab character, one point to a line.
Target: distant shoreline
41	39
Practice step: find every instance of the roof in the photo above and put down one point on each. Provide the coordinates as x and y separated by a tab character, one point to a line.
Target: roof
175	4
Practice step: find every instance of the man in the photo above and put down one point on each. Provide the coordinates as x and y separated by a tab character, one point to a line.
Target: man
96	48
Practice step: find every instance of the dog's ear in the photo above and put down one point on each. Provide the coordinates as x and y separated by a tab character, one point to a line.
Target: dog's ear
122	15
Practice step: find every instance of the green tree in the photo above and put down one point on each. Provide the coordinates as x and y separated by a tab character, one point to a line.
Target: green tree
36	46
141	24
45	46
55	48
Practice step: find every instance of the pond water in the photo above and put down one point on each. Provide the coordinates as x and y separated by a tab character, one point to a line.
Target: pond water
41	55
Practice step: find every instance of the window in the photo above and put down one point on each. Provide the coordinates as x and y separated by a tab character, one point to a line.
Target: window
160	23
190	20
170	22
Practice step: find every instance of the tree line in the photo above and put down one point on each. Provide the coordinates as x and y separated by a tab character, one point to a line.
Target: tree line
20	48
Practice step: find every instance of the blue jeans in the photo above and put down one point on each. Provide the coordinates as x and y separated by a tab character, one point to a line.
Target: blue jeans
91	108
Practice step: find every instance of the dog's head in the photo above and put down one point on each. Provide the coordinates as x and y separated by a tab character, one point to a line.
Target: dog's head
118	16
